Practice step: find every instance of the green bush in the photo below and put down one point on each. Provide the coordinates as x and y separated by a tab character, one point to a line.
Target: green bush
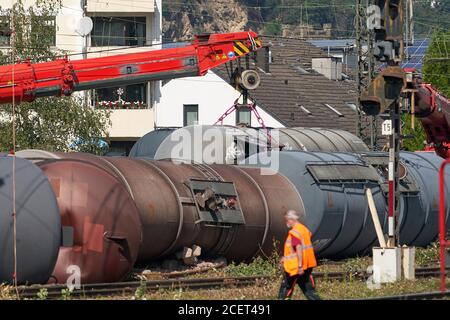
260	266
427	256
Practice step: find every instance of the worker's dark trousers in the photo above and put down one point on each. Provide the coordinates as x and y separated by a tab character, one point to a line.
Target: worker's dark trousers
305	282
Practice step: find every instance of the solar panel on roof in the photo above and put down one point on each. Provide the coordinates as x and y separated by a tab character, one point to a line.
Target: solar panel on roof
415	54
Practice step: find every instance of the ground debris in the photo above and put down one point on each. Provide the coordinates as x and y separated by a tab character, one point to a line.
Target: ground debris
169	270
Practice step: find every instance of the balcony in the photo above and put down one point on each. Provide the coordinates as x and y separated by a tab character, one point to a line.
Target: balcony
130	124
118	6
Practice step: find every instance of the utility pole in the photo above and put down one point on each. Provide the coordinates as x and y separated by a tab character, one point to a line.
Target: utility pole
385	92
394	187
395	35
84	28
366	127
409	23
384	97
85	55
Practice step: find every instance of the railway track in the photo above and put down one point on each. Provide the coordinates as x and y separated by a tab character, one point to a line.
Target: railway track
127	288
420	273
437	295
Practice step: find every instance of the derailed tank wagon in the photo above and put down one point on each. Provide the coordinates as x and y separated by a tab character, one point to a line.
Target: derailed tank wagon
226	210
38	223
162	206
161	143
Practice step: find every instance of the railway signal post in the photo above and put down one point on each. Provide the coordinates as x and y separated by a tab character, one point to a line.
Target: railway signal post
383	97
394	160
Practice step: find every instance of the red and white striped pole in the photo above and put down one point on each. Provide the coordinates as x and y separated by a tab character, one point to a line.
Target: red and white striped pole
391	201
394	160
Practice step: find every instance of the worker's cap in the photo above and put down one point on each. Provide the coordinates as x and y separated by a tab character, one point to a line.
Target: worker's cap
292	215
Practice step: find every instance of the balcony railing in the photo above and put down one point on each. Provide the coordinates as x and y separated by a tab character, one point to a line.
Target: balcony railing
121	105
121	6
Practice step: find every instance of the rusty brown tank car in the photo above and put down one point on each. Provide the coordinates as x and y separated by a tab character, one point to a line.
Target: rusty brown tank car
227	210
104	220
165	194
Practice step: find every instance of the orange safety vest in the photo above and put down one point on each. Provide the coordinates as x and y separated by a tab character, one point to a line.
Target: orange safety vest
290	256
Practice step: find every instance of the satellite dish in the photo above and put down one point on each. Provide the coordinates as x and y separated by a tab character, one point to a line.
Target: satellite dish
85	26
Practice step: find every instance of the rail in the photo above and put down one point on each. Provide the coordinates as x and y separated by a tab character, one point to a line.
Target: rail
122	288
415	296
428	272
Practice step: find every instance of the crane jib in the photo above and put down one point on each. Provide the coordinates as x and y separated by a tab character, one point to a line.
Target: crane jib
24	82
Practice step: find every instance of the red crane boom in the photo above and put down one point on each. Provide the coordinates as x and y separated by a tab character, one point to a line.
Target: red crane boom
27	81
433	110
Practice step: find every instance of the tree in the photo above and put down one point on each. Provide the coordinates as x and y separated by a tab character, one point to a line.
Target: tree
436	69
54	124
430	14
273	28
417	139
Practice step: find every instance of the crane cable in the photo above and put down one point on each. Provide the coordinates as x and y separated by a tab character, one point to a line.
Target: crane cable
13	151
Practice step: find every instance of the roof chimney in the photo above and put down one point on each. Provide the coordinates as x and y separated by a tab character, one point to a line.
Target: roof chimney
330	67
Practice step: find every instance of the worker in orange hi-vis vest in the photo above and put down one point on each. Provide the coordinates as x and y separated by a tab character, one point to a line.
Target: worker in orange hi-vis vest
298	260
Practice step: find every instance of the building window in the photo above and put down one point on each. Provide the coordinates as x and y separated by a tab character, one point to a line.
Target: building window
127	97
190	114
243	116
5	36
120	148
44	31
118	31
41	30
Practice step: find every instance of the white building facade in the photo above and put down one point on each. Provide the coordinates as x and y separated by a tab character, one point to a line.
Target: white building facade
203	100
129	26
118	27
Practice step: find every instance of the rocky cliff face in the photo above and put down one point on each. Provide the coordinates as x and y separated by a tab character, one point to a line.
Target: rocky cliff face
184	18
182	21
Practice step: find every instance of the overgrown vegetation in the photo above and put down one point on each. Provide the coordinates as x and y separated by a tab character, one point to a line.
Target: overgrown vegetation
267	288
66	294
42	294
428	256
258	267
140	291
430	14
6	292
329	290
352	288
54	124
436	69
273	28
416	138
